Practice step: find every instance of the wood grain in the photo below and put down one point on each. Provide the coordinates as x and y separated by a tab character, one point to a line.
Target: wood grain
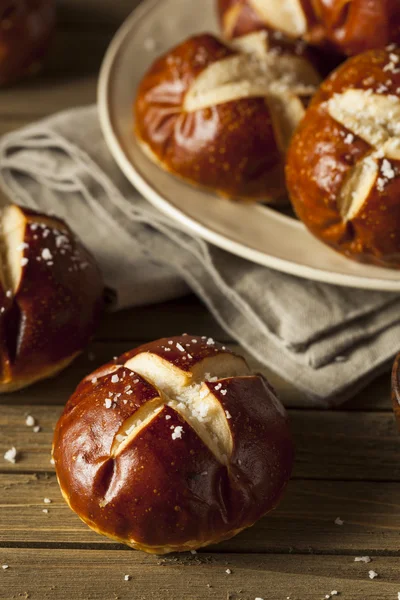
96	575
359	446
302	524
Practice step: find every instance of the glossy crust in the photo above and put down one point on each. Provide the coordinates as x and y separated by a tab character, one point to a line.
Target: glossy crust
342	27
49	314
161	492
230	147
26	30
322	156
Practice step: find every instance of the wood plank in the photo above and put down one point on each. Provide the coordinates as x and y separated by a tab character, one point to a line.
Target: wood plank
302	524
43	96
58	390
165	319
94	575
359	446
92	14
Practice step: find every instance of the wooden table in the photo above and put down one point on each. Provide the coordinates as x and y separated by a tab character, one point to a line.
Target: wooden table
347	461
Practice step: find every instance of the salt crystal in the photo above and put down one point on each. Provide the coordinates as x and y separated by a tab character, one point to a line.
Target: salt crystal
114	379
107	403
228	571
8	293
36	429
193	552
167	417
30	421
177	433
364	559
24	261
45	510
46	254
94	380
228	414
4	567
127	577
223	392
11	455
180	347
47	500
338	521
372	574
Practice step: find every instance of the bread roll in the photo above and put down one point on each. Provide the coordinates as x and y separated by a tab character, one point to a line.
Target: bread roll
173	446
344	27
343	164
221	116
26	29
50	297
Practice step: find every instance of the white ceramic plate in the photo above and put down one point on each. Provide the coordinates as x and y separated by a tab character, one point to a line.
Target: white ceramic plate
255	232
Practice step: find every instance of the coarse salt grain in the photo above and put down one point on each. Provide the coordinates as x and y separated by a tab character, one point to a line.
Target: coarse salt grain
22	246
36	429
24	261
47	500
338	521
193	552
364	559
8	293
94	380
11	455
114	379
228	414
127	577
167	417
177	433
5	567
107	403
52	461
45	510
46	254
228	571
223	392
372	574
180	347
30	421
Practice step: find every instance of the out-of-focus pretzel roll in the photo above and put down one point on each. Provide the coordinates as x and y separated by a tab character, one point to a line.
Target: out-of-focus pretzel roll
221	115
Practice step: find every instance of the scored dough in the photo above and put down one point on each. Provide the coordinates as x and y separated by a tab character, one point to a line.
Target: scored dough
185	392
374	118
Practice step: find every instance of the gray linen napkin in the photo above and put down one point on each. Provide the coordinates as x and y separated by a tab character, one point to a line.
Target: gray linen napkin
327	341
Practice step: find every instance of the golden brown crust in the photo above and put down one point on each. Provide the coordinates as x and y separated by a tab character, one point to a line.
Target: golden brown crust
229	147
163	488
33	22
323	155
49	317
340	27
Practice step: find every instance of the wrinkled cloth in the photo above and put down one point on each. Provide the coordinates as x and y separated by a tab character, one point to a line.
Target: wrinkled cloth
327	341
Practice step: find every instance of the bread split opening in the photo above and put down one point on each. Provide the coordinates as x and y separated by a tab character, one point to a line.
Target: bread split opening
187	393
374	118
253	72
285	15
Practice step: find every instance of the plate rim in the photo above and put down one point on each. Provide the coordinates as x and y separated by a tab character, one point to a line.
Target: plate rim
144	186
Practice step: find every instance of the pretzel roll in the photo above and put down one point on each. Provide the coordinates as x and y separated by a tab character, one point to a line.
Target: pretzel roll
173	446
50	297
343	164
345	27
221	116
26	29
